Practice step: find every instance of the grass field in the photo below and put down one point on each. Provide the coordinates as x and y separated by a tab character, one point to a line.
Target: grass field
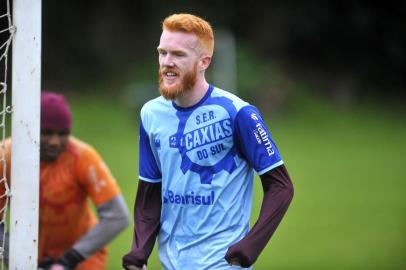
348	169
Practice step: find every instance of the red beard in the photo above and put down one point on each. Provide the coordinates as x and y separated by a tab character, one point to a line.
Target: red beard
174	91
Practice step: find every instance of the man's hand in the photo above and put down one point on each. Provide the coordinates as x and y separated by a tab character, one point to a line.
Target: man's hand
234	262
133	267
130	262
70	259
57	266
46	263
236	256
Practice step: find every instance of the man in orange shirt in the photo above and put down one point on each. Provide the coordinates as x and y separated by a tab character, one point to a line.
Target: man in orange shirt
70	236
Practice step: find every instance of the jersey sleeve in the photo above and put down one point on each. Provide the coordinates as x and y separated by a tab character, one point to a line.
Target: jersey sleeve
96	177
254	141
149	170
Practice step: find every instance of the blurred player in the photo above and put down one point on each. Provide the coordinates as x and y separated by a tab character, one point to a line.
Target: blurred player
71	172
199	147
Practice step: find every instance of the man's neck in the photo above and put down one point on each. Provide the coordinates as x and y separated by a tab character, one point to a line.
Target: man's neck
190	98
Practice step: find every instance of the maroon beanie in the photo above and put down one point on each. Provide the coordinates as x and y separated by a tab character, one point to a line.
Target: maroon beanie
55	112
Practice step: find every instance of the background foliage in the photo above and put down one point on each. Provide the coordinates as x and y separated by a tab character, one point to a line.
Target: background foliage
346	50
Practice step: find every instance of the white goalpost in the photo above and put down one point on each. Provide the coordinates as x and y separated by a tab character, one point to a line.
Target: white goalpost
25	134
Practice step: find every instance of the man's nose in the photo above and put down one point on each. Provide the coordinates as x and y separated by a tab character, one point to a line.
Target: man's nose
54	139
167	61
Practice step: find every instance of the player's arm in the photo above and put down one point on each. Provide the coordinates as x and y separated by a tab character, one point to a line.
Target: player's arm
113	218
147	208
254	143
112	212
147	213
278	193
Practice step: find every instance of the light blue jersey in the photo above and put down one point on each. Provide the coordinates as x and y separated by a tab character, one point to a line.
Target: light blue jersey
205	157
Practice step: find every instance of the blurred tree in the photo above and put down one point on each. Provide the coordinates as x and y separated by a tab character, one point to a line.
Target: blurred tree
356	48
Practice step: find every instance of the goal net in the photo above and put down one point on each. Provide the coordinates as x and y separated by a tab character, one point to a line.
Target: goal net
6	35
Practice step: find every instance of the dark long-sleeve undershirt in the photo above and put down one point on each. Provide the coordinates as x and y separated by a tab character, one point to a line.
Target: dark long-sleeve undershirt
147	214
278	193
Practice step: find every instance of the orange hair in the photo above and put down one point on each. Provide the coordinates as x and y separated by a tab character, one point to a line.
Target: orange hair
189	23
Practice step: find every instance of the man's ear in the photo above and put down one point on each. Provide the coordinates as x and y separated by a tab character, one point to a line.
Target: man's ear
204	62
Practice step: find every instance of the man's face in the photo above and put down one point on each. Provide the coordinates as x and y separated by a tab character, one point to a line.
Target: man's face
178	63
53	143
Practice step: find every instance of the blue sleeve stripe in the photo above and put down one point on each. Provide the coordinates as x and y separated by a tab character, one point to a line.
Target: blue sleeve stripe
150	180
147	164
273	166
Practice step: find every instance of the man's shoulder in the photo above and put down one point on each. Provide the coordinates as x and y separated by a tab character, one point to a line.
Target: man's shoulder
7	142
156	103
229	97
78	143
78	147
155	107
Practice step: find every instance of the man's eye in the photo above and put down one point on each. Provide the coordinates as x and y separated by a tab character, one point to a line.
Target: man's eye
46	132
63	133
50	132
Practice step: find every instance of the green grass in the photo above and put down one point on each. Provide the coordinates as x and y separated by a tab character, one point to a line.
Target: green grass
348	169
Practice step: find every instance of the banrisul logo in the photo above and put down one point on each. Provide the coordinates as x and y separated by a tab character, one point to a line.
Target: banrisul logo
190	198
205	138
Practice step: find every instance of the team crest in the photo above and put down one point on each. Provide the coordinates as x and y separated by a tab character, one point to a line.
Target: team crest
205	139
